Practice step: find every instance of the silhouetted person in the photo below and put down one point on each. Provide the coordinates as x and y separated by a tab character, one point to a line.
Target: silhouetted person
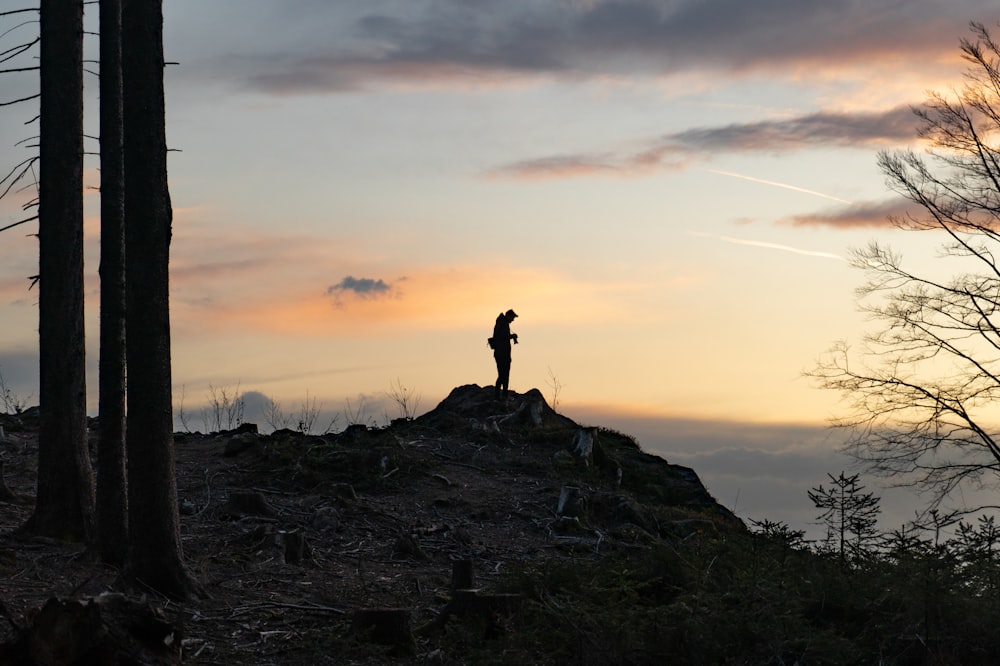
501	350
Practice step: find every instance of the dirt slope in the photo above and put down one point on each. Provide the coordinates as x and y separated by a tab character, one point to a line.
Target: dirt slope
291	533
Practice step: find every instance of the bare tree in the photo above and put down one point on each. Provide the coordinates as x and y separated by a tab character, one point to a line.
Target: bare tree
406	399
225	409
64	500
112	525
924	386
155	553
19	52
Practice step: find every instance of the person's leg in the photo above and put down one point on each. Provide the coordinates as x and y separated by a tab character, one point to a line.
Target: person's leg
496	387
503	376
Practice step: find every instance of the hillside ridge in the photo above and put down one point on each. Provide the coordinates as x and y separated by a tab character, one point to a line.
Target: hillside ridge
294	534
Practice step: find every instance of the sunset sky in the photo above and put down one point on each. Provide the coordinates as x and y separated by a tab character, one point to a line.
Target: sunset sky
665	191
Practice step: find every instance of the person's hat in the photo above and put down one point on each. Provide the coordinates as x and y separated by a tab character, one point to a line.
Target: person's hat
511	314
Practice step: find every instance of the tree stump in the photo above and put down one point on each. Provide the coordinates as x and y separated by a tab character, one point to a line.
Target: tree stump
5	493
528	413
384	626
461	575
587	447
296	548
571	503
583	444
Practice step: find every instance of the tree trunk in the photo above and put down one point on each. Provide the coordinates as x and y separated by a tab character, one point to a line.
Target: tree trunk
112	516
64	501
155	553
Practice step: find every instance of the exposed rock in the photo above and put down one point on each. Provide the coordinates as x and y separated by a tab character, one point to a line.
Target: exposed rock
472	404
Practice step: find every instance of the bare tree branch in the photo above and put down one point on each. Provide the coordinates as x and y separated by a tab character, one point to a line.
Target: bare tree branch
13	52
19	222
922	389
18	101
16	174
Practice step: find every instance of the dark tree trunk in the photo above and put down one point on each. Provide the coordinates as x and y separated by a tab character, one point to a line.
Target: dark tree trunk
112	513
64	501
155	553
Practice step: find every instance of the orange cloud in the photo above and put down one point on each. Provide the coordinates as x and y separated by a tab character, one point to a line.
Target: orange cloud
427	299
303	285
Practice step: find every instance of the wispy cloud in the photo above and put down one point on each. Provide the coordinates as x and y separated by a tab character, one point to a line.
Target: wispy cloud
768	245
558	167
775	183
679	150
563	167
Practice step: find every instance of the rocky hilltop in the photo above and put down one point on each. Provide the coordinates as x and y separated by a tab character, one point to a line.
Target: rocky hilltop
415	542
608	467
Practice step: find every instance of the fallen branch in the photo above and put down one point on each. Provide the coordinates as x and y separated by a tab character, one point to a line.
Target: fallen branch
242	610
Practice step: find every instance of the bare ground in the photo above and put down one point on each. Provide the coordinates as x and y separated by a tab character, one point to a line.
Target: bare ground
384	514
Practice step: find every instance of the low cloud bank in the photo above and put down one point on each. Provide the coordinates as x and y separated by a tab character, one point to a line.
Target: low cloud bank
760	471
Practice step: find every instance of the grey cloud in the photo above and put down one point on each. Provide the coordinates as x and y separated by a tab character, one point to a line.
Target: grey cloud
821	128
865	214
675	151
465	37
361	287
443	42
357	46
737	35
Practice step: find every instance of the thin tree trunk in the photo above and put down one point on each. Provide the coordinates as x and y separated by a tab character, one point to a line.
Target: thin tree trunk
64	501
112	512
155	552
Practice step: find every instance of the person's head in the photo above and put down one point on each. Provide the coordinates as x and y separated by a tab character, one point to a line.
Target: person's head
511	315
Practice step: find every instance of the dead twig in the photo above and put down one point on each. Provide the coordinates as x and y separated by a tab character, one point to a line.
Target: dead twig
316	608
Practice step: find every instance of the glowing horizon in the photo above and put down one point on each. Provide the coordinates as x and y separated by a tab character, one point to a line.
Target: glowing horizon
354	204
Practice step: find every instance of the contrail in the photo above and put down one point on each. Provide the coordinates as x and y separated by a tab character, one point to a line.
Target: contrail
777	184
770	246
